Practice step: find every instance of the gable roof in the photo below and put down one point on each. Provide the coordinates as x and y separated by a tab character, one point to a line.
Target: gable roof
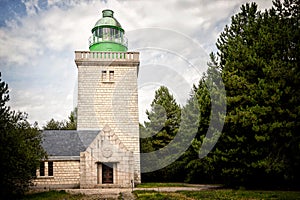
67	142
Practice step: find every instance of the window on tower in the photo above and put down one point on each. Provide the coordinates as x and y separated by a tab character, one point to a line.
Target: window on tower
107	76
111	75
103	76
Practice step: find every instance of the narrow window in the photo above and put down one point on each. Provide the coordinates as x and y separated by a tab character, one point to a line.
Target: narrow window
111	75
42	169
50	168
103	76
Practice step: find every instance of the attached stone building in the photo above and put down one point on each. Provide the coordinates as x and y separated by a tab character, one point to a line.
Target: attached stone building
104	150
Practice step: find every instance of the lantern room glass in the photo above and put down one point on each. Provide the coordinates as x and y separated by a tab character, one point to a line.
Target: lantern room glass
108	34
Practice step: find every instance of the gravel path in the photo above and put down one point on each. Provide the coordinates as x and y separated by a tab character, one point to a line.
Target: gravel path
103	193
125	193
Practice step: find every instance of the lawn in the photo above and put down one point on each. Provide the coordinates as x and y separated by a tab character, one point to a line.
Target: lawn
53	195
219	194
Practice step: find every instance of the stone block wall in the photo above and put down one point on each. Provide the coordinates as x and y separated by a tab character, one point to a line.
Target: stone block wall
106	148
106	98
66	174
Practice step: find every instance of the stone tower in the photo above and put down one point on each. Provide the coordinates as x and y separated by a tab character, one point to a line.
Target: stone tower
108	102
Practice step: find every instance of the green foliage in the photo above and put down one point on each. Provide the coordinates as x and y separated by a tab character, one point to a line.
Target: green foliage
54	125
20	148
259	62
71	124
258	59
209	97
164	119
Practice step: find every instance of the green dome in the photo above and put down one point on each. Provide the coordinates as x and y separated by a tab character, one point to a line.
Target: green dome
107	20
108	34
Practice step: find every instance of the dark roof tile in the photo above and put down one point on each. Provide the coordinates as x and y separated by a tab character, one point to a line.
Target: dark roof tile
67	142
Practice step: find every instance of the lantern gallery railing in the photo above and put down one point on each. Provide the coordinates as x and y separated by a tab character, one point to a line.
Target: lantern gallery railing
120	39
97	55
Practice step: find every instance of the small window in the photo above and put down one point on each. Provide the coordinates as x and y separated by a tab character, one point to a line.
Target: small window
111	75
42	169
50	168
103	76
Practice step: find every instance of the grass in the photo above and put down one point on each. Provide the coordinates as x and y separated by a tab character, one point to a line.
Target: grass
219	194
52	195
222	194
141	195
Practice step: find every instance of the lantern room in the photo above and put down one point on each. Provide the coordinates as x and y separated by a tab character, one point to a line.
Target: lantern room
108	34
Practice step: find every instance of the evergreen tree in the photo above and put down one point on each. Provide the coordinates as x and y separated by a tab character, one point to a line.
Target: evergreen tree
160	130
259	60
210	98
20	149
71	124
164	118
54	125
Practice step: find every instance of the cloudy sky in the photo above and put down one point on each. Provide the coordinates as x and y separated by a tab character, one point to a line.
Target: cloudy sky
38	39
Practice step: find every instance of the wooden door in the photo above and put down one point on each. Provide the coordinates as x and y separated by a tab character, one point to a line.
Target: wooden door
107	174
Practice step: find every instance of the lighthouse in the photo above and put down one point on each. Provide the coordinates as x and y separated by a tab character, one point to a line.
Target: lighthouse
104	150
108	103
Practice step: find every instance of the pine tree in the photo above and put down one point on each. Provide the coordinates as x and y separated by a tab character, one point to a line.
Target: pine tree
20	149
210	98
71	124
259	59
164	118
162	127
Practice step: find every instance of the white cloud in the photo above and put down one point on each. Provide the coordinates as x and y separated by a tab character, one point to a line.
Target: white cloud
37	51
31	6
